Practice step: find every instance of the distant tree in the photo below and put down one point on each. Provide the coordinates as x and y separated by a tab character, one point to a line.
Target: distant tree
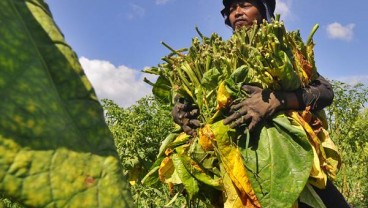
348	119
138	131
7	203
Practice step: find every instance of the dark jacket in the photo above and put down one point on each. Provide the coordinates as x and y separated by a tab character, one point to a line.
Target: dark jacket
319	94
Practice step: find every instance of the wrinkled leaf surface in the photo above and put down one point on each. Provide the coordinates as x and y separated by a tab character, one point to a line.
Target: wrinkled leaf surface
56	150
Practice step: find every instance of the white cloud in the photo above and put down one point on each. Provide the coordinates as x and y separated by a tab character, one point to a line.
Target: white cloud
353	80
162	2
338	31
283	8
136	11
121	84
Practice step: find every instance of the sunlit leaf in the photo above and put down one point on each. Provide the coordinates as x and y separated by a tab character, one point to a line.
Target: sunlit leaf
190	183
205	137
167	172
276	174
231	196
162	89
199	174
223	96
232	162
326	156
56	149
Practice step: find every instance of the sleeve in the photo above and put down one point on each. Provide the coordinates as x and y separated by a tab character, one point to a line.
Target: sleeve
318	94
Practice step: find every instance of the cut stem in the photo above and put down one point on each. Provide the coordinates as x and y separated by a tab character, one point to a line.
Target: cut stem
171	49
316	26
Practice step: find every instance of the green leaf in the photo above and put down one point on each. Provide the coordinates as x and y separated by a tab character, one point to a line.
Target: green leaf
56	150
279	163
199	175
166	142
190	183
289	80
242	75
162	90
152	176
211	78
310	197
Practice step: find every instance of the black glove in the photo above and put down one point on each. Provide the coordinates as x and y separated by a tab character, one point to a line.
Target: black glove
260	105
185	114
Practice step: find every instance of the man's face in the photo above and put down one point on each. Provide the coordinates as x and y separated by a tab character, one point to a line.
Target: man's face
244	13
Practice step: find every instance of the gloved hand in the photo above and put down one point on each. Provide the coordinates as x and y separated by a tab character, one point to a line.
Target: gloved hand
260	105
185	114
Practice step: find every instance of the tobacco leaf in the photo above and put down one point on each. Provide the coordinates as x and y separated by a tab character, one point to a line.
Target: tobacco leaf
279	162
56	149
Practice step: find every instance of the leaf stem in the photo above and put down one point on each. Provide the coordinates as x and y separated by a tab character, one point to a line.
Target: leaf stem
310	37
171	49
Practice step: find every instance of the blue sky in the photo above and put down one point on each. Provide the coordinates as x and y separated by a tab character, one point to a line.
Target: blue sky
116	39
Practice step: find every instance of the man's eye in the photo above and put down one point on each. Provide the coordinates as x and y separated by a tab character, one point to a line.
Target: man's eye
231	9
241	5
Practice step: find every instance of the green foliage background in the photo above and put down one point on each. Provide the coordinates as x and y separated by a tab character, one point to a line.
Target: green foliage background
348	119
138	131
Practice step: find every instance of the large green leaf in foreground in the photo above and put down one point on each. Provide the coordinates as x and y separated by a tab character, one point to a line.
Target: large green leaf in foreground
55	148
279	163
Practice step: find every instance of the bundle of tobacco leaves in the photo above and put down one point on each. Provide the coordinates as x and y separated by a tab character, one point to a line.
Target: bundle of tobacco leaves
271	167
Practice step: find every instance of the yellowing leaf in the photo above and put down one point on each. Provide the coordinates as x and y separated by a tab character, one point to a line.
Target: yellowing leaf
323	164
233	164
223	96
180	143
182	137
205	137
333	158
304	68
318	176
230	195
167	172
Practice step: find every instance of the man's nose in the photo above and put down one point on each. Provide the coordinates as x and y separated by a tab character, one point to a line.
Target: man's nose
238	10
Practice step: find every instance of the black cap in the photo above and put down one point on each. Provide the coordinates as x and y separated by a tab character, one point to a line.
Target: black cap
269	6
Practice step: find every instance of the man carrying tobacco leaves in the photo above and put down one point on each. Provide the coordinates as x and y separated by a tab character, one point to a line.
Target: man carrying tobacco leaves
262	104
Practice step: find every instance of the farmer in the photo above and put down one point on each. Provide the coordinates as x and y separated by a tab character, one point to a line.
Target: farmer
255	109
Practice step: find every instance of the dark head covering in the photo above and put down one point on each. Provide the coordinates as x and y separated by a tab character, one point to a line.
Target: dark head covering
269	7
